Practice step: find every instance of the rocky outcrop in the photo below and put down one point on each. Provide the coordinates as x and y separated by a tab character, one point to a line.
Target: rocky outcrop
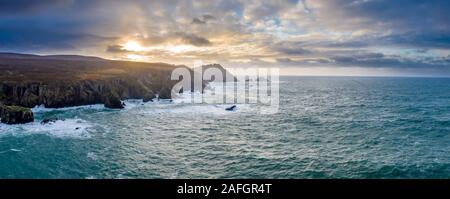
232	108
133	83
49	120
113	101
15	114
76	93
149	97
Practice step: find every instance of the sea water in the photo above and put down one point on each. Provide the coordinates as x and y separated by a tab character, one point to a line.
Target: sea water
326	127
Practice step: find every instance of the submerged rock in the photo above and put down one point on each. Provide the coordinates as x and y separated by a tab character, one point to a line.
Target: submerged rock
232	108
49	120
112	101
15	114
165	94
149	97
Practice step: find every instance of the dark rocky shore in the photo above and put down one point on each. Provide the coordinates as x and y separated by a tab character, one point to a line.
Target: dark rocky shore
63	81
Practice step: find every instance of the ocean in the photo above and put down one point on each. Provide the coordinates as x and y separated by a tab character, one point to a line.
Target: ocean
326	127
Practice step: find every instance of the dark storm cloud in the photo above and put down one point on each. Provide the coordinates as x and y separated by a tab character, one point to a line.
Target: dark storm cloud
19	38
27	6
198	21
370	60
412	34
116	49
345	44
290	48
205	19
293	51
384	62
193	39
402	14
47	25
303	61
418	39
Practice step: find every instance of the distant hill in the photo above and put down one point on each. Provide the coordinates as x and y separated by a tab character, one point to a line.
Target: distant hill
24	68
49	57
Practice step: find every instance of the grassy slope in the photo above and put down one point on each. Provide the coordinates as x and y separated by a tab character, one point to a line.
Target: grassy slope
48	69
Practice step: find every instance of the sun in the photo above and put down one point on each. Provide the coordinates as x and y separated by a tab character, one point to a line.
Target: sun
133	46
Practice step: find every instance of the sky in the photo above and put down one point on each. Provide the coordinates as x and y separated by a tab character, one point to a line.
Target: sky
301	37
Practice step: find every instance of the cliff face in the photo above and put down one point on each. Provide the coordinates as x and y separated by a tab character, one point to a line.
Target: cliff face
83	92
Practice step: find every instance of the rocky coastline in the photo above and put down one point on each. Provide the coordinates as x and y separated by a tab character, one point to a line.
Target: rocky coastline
29	80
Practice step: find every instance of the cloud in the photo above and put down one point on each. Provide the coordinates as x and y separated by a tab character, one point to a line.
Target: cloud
206	18
198	21
399	15
418	39
290	48
116	49
369	60
193	39
308	61
363	33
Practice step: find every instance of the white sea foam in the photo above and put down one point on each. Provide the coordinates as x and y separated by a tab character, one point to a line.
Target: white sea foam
130	104
218	93
185	98
69	128
11	151
133	103
183	103
92	156
41	108
15	150
201	109
78	128
193	109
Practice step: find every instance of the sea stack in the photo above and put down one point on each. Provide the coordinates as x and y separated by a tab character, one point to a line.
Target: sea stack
15	114
113	101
